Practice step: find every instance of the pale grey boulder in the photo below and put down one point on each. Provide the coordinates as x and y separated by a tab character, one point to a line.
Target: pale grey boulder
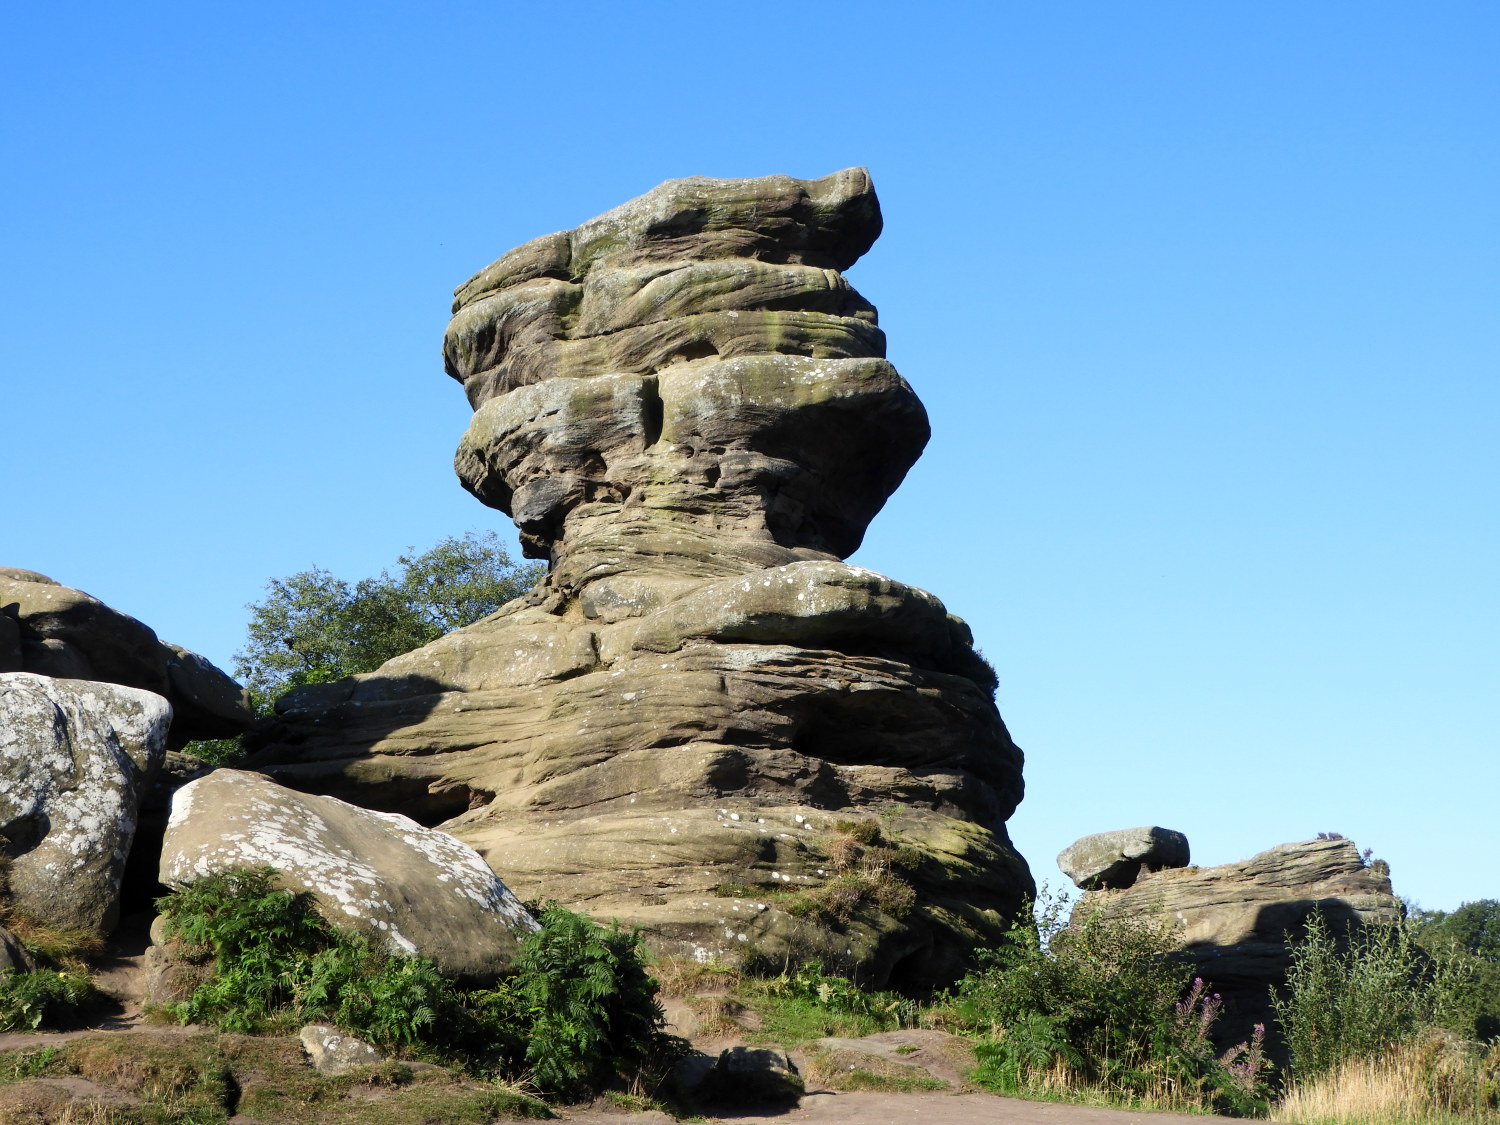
413	890
55	630
75	756
1114	859
332	1052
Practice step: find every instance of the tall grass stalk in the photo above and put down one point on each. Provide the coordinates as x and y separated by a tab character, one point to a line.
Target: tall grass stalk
1432	1080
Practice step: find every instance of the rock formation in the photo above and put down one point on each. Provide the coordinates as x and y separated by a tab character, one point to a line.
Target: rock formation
74	757
417	892
1115	859
702	722
54	630
1236	919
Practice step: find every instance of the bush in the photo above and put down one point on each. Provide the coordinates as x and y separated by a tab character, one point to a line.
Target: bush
46	996
578	1012
1383	989
1101	1003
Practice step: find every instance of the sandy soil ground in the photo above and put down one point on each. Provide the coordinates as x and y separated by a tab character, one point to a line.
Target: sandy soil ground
906	1109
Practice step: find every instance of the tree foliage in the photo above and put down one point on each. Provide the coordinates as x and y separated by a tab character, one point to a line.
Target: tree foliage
1356	1000
1472	932
313	626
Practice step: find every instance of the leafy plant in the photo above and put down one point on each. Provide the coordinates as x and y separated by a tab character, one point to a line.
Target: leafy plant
578	1012
45	996
590	1010
1101	1003
1358	1001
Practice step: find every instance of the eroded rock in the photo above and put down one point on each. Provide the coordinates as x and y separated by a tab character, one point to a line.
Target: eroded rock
685	408
66	634
75	756
416	891
1114	859
1236	920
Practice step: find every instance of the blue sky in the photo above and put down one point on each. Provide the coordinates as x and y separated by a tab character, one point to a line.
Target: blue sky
1201	298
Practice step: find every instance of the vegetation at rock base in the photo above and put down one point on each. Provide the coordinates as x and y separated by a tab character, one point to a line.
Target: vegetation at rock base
1472	934
208	1077
577	1013
58	990
313	627
1105	1006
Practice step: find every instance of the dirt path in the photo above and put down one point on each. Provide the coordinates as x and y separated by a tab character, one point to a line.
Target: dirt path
907	1109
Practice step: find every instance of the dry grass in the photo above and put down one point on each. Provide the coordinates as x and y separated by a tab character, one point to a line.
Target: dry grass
1436	1080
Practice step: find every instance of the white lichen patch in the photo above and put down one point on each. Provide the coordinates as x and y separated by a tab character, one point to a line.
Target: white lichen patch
73	754
423	891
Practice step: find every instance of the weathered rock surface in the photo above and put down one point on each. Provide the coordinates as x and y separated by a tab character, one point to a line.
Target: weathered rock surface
54	630
1114	859
74	758
414	890
685	408
331	1052
1236	919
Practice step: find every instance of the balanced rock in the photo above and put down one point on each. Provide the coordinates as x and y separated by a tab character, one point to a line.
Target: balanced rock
1236	920
416	891
685	408
55	630
1114	859
74	758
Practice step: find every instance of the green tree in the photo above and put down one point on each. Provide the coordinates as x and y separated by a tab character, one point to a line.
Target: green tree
313	627
1473	932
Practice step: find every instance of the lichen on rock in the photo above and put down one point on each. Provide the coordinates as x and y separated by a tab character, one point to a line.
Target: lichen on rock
686	409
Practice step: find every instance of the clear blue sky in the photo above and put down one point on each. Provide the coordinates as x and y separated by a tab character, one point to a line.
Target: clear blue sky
1202	299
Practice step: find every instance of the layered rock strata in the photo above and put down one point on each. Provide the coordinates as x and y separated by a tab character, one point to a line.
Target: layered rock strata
1237	920
55	630
702	722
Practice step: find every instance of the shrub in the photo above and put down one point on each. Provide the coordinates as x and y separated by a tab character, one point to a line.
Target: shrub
46	996
1102	1003
578	1011
589	1012
1356	1002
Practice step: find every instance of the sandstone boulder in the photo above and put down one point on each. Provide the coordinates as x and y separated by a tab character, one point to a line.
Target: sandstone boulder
64	633
416	891
75	756
685	408
1236	920
1114	859
331	1052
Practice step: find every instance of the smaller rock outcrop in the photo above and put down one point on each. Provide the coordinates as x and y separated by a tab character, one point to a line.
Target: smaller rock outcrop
1237	920
417	891
1114	859
331	1052
74	758
55	630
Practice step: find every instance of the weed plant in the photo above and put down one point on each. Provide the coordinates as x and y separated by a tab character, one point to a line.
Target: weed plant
1354	1003
1105	1005
577	1013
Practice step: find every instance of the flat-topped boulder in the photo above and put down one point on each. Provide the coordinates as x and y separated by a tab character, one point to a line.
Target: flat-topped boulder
703	721
1114	859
